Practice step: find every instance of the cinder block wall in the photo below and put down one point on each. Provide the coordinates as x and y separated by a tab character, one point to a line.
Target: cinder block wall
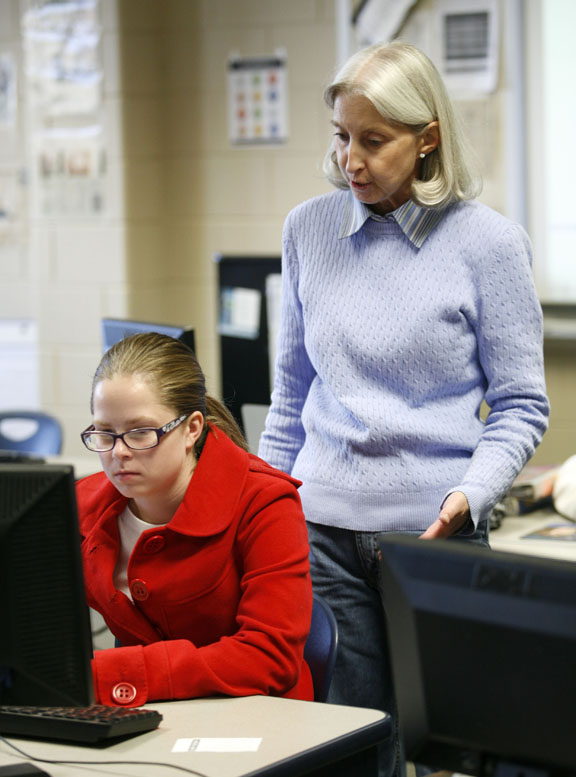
178	193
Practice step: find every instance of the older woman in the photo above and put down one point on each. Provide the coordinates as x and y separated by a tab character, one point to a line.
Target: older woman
405	305
195	552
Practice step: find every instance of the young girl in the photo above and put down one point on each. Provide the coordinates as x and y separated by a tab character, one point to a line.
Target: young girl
195	552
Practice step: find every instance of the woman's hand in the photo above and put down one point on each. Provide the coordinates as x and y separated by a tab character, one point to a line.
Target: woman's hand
453	515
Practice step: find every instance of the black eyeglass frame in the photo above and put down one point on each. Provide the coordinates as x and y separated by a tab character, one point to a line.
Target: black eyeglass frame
160	433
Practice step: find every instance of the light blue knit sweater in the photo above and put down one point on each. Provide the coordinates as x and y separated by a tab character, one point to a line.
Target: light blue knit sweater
385	354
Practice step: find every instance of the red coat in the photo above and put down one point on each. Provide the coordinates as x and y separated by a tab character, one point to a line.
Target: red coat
222	594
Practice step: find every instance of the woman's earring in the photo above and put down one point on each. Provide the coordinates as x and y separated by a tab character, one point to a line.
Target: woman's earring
422	155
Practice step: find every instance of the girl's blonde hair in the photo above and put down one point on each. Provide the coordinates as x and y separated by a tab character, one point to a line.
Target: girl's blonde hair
172	370
406	89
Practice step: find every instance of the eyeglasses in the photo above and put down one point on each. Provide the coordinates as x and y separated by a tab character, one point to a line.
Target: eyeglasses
136	439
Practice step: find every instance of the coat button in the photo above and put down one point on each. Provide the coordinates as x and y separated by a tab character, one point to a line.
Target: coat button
123	693
139	590
154	544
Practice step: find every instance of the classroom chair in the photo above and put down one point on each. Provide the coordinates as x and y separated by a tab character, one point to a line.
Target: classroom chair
321	647
30	431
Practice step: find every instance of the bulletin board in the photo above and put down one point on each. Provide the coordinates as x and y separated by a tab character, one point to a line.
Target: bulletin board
64	77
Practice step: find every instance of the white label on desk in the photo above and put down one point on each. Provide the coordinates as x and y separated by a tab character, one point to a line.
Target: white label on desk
217	745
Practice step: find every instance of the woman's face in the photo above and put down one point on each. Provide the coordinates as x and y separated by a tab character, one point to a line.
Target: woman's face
156	476
379	160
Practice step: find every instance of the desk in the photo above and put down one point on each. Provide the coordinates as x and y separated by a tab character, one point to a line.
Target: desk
510	536
298	738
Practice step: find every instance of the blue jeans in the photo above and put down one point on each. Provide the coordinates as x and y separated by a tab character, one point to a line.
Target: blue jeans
345	571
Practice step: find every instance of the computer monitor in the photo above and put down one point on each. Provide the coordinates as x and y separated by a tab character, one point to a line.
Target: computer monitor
115	329
45	639
483	651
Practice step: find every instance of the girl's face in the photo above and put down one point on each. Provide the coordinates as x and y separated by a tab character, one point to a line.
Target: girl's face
155	478
379	160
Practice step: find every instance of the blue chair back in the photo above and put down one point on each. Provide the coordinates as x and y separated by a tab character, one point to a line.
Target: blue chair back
33	432
321	646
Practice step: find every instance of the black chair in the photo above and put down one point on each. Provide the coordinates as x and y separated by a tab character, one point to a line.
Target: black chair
30	431
321	647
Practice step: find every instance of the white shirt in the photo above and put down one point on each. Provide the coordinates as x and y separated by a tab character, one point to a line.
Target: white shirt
130	528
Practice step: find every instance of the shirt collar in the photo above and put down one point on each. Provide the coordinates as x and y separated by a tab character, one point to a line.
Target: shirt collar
415	221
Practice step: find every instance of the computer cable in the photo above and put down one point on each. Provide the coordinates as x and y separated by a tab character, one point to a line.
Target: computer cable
102	763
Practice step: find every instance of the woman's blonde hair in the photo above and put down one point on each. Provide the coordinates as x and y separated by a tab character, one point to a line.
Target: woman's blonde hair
406	89
172	370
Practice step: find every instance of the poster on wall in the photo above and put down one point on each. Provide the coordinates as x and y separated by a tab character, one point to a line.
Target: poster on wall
71	172
12	214
19	359
8	102
64	74
257	104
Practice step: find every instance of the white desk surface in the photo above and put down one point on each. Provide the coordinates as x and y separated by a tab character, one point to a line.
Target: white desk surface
288	729
511	536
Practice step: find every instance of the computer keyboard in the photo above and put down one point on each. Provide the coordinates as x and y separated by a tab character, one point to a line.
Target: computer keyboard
88	725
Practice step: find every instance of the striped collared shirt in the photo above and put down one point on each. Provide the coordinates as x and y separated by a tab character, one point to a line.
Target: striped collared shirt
415	221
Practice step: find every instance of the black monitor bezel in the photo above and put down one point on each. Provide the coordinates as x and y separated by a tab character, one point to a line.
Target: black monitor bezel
483	650
45	635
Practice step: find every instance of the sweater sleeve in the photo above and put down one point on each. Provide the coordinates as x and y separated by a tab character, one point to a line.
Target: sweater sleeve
294	373
509	335
264	655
